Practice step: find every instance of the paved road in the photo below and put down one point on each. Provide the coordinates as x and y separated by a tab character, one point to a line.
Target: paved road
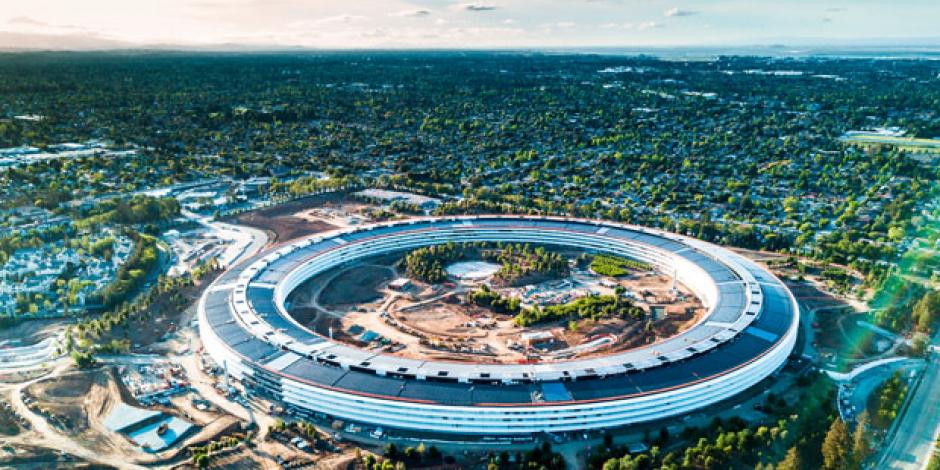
243	241
866	382
909	447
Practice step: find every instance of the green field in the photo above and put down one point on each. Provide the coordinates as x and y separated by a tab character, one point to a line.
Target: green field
913	144
615	266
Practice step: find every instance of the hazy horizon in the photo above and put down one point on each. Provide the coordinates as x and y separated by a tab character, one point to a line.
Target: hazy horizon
438	24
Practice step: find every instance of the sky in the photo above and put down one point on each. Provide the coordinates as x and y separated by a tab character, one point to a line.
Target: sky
332	24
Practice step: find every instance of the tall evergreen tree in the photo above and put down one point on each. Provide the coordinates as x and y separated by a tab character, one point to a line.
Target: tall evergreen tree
792	461
836	446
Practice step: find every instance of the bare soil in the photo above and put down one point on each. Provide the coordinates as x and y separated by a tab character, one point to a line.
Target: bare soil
9	426
77	403
166	314
41	458
354	286
28	332
438	322
281	221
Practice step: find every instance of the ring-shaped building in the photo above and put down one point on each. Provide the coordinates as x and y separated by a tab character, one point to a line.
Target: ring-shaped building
746	334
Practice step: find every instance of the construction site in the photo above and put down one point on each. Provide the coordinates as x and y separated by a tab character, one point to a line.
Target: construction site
374	305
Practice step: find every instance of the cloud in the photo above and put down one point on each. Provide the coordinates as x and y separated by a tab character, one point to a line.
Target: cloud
345	19
475	7
676	12
22	20
827	19
618	26
34	24
836	9
649	25
419	13
326	21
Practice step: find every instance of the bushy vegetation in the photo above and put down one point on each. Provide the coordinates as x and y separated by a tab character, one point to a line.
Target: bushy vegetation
541	457
310	184
420	456
934	463
488	298
83	359
9	243
795	436
903	305
519	262
592	306
926	312
137	210
85	337
616	266
202	455
131	275
889	398
429	263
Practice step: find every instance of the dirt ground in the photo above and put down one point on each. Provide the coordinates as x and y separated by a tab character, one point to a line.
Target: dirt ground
437	322
354	286
9	425
23	376
282	222
76	404
814	298
40	458
838	332
164	317
30	332
836	323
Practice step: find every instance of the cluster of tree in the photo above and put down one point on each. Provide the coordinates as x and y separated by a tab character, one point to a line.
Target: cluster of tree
616	266
926	312
131	275
304	428
311	185
84	337
792	437
735	445
519	262
83	359
103	248
889	399
428	263
414	456
591	306
115	346
32	239
842	449
541	457
728	442
137	210
934	463
894	304
488	298
202	455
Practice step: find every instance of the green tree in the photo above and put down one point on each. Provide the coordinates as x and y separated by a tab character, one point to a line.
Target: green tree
836	446
861	441
792	461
